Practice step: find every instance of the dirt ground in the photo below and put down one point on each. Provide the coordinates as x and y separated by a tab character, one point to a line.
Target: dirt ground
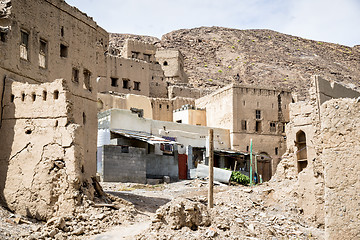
173	211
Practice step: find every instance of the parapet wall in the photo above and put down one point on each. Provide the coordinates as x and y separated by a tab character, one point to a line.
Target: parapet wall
42	164
327	90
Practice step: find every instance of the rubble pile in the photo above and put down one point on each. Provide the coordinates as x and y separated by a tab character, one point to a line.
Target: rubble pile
182	213
86	221
239	213
89	219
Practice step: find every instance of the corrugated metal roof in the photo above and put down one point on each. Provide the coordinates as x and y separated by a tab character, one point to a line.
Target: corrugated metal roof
142	136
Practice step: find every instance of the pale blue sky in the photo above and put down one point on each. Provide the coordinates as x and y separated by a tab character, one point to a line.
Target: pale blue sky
334	21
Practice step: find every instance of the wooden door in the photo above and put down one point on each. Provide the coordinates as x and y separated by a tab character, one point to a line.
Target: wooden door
182	162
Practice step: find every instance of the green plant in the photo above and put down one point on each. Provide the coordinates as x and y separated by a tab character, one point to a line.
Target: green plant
205	65
229	67
233	47
210	80
220	71
240	178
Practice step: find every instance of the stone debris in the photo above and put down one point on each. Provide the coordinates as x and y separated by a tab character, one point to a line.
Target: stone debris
237	214
181	213
234	216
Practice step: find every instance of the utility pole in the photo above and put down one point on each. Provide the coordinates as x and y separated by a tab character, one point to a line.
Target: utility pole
211	169
251	163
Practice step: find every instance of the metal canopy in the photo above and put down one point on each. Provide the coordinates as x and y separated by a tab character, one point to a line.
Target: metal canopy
142	136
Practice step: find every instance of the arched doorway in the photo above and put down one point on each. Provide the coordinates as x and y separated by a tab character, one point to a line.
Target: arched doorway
301	152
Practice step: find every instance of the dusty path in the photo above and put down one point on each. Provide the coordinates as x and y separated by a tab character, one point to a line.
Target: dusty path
124	232
146	200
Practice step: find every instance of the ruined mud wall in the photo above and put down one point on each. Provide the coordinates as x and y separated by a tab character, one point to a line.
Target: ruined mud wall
42	161
303	162
328	90
340	155
50	40
183	91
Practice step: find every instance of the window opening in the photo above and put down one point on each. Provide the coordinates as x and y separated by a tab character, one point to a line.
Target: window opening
56	94
63	51
137	86
257	114
272	127
179	121
23	97
134	54
276	151
3	36
44	95
87	80
301	152
166	63
84	118
12	97
42	53
258	126
160	106
114	82
75	75
126	83
33	97
62	31
147	57
243	125
24	45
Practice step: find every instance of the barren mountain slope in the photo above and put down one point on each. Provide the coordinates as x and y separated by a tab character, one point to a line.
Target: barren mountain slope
216	56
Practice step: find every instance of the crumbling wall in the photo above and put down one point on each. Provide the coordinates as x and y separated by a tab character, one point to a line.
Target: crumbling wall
70	45
326	90
340	155
306	117
183	91
309	183
42	161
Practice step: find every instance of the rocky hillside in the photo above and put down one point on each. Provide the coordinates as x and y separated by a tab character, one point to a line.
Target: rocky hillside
216	56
